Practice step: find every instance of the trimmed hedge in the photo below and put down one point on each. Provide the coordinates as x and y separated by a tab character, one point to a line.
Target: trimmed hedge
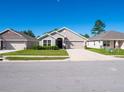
45	48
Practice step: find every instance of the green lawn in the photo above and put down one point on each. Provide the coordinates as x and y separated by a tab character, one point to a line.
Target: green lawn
39	53
36	58
107	51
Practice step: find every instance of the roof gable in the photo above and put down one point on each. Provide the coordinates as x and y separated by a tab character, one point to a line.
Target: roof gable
9	30
61	29
29	38
10	34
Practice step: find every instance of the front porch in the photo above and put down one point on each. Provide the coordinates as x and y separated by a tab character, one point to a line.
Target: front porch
63	43
114	44
1	44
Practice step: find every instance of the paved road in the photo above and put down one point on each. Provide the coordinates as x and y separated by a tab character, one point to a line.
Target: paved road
62	76
85	55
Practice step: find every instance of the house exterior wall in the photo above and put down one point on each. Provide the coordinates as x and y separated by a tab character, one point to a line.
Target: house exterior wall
13	41
30	44
72	40
16	41
120	42
14	45
0	44
18	45
99	44
11	35
122	46
71	36
111	44
95	44
76	44
47	38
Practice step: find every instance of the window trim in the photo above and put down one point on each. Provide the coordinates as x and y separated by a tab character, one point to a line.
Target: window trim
106	43
47	43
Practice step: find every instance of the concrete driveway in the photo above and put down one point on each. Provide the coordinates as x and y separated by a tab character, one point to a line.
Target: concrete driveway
85	55
6	51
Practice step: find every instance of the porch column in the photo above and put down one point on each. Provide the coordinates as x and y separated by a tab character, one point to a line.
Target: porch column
116	44
101	44
0	44
65	42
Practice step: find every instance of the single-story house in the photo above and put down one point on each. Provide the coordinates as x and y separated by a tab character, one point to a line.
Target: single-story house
63	38
108	39
13	40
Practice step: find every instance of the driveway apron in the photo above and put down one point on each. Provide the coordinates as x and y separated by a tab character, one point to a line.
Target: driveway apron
6	51
85	55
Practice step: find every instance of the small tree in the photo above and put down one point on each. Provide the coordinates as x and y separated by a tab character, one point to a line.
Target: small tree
51	31
98	27
29	32
86	35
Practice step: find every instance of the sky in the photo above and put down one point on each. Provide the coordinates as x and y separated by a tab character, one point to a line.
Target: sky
41	16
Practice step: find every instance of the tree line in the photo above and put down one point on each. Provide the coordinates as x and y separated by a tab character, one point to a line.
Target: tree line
98	28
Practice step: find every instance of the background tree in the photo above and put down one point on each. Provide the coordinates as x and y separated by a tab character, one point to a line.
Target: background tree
37	36
29	32
85	35
51	31
98	27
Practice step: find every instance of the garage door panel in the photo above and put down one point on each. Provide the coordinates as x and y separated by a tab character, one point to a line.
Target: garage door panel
11	45
76	45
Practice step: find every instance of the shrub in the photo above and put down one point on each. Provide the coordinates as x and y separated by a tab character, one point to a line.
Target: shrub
45	48
36	47
85	47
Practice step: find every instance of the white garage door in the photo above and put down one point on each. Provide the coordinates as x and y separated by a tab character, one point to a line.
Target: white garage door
77	45
12	45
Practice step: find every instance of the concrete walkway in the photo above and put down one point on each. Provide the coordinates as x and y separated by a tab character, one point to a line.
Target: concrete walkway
85	55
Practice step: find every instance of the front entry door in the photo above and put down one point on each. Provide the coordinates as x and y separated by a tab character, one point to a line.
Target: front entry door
1	45
59	42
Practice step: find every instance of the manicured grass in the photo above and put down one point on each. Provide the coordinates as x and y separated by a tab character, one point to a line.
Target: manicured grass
39	52
107	51
36	58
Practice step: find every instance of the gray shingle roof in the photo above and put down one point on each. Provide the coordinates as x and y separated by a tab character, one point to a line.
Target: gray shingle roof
15	36
109	35
29	38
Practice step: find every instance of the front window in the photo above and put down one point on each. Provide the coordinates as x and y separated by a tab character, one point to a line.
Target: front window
46	42
49	42
106	43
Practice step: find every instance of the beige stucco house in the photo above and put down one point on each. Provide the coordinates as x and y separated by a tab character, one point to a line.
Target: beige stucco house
63	38
108	39
13	40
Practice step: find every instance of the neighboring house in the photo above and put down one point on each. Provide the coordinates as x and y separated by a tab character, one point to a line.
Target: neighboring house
12	40
108	39
63	38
